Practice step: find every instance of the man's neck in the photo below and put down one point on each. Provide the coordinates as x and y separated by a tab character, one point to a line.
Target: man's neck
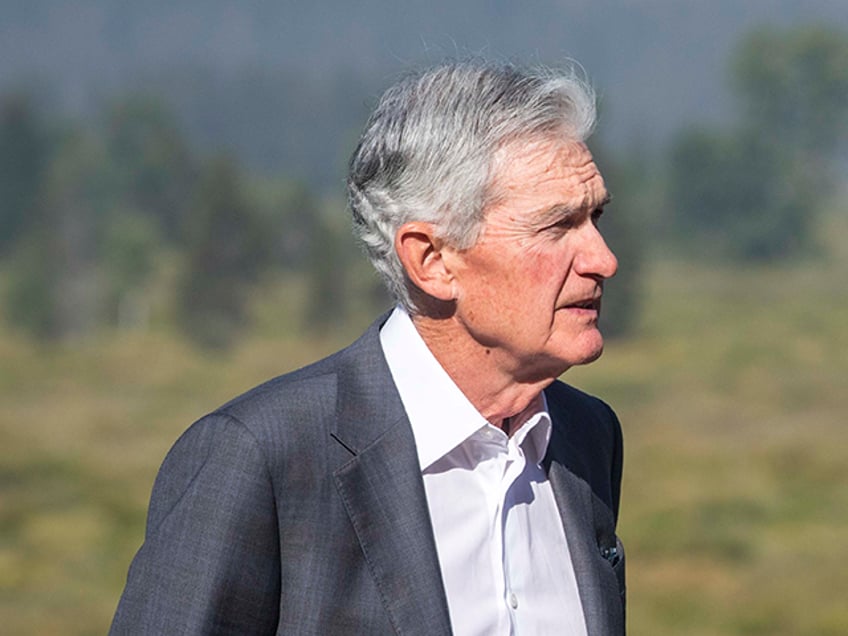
479	373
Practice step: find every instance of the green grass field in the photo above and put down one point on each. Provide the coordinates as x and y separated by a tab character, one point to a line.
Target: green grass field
733	400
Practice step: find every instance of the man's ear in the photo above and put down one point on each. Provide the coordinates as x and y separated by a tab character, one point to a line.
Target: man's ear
421	253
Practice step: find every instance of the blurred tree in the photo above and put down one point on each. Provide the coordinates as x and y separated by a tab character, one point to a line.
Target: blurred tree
24	154
153	170
291	214
312	238
328	275
754	193
793	85
30	295
129	245
737	196
54	289
227	247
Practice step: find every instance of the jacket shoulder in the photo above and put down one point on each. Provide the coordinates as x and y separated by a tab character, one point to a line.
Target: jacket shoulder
307	394
297	411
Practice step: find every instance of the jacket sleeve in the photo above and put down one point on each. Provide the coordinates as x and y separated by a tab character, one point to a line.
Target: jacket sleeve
210	559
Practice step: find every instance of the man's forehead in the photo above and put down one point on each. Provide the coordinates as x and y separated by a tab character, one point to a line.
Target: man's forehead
536	165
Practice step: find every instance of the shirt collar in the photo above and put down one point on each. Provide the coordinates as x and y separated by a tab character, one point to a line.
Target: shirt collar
534	429
440	415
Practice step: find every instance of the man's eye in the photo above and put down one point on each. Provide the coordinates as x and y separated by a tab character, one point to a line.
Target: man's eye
565	223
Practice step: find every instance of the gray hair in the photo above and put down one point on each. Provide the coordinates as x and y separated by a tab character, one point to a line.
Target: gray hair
428	150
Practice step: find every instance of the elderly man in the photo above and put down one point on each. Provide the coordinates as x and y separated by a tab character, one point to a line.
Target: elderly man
434	477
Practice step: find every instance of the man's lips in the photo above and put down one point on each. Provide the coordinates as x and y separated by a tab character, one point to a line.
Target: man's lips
588	304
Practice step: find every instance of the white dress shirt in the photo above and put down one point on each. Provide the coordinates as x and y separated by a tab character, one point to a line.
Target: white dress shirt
505	562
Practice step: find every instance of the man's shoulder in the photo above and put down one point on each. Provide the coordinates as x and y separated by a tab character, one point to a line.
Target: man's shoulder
311	388
353	378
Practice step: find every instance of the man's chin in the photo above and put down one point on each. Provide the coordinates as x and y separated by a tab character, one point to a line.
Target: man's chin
593	347
594	356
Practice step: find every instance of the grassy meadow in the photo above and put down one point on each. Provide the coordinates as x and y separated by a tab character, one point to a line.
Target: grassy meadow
732	396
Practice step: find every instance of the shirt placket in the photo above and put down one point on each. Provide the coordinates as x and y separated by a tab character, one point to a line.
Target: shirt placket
492	455
515	463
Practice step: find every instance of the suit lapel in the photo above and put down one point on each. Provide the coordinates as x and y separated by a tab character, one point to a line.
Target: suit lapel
383	494
574	499
588	524
387	506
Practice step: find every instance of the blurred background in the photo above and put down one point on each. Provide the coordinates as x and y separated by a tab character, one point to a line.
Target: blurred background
173	231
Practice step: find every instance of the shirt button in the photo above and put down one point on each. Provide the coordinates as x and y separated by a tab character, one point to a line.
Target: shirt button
513	601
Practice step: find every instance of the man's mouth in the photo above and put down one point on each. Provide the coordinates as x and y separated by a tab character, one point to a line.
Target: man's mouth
585	304
589	303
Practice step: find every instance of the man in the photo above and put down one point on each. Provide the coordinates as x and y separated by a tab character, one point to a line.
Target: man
434	477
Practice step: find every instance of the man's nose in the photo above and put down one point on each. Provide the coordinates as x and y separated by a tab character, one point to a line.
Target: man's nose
595	257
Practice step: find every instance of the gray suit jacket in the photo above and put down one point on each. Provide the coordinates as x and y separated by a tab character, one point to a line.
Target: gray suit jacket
299	508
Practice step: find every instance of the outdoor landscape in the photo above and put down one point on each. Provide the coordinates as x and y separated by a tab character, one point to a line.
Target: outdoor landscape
149	274
732	400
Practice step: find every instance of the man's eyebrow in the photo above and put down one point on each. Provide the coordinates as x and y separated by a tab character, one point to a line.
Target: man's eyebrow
561	210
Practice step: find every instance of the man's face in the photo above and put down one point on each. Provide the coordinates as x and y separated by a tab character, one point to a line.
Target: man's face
529	290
